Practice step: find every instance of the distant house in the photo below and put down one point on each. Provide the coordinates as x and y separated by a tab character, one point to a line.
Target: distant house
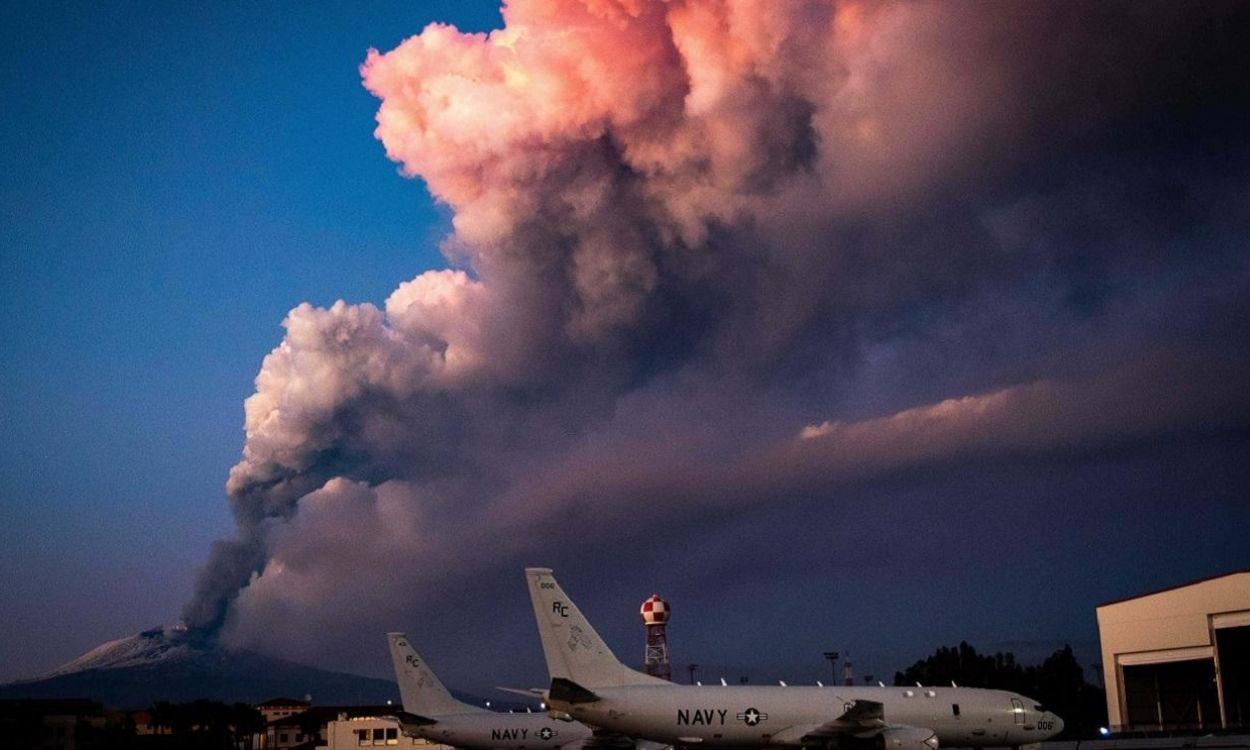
145	725
280	708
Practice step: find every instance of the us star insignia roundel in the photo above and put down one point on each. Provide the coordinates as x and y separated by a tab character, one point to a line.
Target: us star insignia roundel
546	733
752	717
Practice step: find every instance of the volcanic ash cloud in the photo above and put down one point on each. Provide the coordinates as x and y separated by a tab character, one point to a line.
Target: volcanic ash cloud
691	228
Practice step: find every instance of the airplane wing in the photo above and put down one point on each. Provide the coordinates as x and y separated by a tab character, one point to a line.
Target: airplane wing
862	713
602	740
860	718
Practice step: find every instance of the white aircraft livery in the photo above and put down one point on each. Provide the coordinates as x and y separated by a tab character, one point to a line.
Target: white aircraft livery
431	712
589	684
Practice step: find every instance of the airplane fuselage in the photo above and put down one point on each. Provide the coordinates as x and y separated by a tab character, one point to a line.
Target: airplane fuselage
501	731
774	715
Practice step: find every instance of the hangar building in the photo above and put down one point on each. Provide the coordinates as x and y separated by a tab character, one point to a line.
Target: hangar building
1179	659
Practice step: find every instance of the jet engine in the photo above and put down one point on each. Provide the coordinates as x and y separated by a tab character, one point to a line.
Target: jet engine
907	738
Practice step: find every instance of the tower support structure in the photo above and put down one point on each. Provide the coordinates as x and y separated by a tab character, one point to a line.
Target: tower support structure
655	613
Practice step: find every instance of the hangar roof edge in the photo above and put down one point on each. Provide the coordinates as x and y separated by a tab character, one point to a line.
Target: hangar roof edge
1173	588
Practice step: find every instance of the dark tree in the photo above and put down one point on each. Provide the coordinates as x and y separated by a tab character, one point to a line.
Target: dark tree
1058	683
206	725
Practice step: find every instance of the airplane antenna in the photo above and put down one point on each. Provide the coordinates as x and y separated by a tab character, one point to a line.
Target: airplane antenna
782	683
953	684
880	683
819	683
919	685
723	683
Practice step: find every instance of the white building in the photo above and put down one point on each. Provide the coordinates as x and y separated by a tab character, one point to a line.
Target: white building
353	734
1179	658
311	729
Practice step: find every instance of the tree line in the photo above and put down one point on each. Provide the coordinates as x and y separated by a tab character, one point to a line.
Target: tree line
197	725
1058	683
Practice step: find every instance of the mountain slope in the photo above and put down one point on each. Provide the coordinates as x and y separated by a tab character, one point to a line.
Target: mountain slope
169	664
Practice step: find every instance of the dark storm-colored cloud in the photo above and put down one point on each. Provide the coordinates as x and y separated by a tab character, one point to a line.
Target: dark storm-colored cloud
712	256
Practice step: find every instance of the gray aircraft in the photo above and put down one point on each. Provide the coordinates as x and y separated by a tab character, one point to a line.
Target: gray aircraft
431	712
589	684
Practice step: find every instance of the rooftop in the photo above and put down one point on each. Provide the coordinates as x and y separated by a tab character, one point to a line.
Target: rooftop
1174	588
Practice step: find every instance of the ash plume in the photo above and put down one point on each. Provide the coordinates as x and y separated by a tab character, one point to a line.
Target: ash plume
696	232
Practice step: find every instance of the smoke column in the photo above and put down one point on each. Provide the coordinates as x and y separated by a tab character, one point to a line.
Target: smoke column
722	229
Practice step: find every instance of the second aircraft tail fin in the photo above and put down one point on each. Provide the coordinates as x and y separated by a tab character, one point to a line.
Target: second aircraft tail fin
575	652
422	692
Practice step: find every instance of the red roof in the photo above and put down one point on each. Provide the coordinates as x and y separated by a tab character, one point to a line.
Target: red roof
283	702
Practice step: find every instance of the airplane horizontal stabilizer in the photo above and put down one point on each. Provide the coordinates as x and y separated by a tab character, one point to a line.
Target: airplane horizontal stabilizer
527	692
567	691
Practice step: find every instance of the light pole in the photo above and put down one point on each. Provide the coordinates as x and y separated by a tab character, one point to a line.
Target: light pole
832	656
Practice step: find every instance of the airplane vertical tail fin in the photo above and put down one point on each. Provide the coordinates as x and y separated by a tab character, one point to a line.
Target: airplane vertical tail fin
573	649
422	692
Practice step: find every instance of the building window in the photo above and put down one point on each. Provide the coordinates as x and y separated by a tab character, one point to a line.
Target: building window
954	709
362	736
392	736
282	738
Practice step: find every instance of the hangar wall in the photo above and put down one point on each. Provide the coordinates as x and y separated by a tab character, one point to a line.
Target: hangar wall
1179	659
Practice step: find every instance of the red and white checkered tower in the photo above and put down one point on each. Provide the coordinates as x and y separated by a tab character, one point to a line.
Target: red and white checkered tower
655	612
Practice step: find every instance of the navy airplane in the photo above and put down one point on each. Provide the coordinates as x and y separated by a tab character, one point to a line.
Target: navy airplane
433	713
589	684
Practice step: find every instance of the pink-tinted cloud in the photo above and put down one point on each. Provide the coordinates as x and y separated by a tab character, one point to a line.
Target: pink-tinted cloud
685	229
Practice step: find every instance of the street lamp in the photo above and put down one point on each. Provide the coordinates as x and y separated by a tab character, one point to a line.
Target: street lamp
832	656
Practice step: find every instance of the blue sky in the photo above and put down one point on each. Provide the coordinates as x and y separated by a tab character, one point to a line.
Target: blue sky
175	177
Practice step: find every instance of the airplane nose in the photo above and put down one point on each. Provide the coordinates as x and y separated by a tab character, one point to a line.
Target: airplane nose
1058	723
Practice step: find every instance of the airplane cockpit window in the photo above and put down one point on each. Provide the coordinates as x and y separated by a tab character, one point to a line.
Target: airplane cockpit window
1039	708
